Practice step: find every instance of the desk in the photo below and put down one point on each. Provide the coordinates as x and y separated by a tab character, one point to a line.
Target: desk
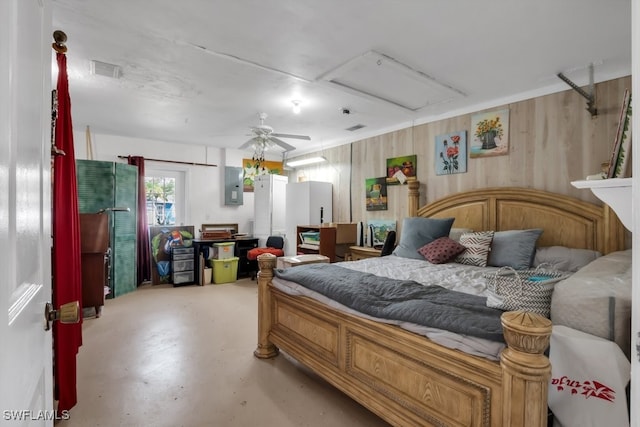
241	247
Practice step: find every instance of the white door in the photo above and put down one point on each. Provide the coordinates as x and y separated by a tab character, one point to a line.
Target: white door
635	195
26	385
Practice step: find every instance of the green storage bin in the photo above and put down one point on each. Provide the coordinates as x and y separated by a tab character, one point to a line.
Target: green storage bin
225	270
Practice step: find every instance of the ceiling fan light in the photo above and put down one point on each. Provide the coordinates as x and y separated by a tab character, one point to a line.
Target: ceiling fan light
307	161
296	107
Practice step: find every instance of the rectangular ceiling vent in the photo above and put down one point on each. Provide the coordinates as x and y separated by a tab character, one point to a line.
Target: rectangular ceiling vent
354	128
99	68
382	77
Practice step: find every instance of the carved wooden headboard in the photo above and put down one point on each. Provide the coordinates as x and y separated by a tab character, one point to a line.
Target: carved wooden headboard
566	221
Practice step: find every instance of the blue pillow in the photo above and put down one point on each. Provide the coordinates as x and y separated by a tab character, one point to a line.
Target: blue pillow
514	248
417	232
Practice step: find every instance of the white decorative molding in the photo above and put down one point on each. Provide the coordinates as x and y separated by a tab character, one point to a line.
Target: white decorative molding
615	192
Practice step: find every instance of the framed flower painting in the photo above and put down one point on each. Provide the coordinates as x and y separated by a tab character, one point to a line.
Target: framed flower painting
490	134
451	153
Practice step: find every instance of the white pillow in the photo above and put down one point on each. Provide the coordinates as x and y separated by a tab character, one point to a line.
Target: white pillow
456	233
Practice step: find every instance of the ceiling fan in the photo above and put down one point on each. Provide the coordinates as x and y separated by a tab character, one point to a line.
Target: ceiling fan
264	137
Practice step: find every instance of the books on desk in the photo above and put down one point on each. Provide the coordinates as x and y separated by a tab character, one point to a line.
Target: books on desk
310	240
309	246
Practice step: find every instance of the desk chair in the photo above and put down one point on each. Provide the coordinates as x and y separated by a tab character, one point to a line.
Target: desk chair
274	245
389	244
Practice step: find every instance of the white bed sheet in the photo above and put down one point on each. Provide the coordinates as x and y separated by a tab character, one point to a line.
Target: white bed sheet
458	277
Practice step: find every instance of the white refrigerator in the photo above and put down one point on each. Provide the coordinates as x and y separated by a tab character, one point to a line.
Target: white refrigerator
269	192
308	203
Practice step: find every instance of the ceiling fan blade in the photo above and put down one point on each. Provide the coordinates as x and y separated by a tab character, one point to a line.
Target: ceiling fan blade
249	143
282	144
286	135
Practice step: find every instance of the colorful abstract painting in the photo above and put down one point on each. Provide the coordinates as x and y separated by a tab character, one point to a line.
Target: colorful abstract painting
161	239
252	168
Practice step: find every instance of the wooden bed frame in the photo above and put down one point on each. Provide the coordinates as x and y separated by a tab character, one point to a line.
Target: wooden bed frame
407	379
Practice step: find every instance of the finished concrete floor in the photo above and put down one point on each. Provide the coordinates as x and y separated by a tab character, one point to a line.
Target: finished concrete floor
165	356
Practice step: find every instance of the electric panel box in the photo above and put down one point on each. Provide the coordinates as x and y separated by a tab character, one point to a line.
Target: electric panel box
233	188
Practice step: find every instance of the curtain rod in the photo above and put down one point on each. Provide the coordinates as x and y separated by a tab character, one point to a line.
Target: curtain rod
173	161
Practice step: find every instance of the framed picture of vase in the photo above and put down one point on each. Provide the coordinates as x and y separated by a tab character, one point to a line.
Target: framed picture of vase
376	194
490	134
451	153
400	170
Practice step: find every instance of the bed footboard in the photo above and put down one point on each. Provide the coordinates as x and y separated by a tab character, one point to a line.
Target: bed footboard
405	378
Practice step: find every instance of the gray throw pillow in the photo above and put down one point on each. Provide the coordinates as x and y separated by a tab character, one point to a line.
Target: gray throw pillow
514	248
417	232
563	258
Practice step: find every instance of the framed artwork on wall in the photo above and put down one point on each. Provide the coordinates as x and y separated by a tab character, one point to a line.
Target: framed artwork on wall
622	141
376	194
252	168
490	134
451	153
400	170
379	230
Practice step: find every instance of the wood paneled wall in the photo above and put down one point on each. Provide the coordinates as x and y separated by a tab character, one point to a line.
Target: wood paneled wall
553	140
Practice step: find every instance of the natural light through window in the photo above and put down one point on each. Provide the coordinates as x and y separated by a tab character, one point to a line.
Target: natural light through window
161	198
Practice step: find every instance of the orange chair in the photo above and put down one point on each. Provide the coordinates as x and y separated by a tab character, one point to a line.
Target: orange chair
274	246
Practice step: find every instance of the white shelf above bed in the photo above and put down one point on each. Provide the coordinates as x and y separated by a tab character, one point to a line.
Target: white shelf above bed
615	192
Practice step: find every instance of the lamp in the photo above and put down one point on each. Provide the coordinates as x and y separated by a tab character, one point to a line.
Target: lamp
296	106
307	161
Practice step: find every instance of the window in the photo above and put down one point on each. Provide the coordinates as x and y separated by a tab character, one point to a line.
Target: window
165	197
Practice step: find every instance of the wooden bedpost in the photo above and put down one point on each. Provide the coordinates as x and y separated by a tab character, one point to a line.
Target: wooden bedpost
265	349
525	369
414	197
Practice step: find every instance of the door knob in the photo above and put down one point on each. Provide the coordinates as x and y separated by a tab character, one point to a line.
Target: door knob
68	313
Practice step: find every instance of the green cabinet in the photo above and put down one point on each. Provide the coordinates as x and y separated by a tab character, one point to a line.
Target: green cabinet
104	186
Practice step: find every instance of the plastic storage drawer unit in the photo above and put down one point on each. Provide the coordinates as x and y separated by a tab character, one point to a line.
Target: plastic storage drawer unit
182	263
225	270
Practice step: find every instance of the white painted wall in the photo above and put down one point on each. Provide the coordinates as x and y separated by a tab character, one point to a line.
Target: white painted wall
204	185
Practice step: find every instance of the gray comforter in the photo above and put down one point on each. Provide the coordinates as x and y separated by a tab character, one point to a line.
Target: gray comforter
403	300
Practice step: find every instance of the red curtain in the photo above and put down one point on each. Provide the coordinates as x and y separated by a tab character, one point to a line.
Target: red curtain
144	257
67	270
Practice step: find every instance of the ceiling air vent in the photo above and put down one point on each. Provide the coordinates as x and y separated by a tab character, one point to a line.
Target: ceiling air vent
356	127
99	68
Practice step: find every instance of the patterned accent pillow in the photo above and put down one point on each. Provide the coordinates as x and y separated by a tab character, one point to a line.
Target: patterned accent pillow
441	250
478	245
